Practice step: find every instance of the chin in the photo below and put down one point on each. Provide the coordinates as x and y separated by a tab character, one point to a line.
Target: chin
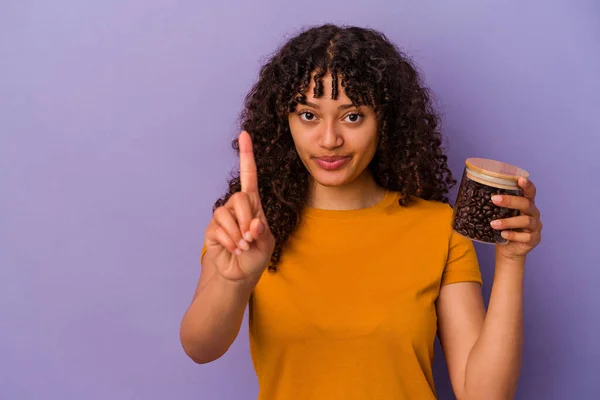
329	179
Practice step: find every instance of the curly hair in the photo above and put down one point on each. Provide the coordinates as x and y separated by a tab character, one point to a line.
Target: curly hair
373	72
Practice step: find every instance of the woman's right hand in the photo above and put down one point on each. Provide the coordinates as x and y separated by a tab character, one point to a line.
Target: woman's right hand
239	242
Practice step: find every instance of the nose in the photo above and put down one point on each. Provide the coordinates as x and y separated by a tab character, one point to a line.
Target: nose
330	137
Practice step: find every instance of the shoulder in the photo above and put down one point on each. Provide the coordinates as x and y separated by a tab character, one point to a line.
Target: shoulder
431	205
431	209
430	218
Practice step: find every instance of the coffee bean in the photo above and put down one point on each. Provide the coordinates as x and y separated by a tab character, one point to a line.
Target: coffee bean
474	211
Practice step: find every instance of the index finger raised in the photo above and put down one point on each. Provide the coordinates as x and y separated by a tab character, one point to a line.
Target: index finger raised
248	175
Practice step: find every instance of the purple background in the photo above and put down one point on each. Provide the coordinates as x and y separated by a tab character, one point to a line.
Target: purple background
115	122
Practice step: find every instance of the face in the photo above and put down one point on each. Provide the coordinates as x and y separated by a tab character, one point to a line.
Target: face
336	140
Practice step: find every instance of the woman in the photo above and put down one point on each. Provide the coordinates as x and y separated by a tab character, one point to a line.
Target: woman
337	233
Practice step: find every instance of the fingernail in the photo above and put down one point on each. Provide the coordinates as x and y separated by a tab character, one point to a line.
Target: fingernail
504	234
243	245
496	224
248	236
238	252
496	198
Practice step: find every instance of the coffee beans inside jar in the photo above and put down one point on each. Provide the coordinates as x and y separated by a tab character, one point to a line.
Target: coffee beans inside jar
474	209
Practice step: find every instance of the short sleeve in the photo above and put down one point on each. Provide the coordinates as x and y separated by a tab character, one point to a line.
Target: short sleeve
462	264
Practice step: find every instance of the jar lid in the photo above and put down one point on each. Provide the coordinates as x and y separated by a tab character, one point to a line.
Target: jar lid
496	169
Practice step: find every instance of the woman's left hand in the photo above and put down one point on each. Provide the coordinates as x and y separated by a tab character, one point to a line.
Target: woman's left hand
523	231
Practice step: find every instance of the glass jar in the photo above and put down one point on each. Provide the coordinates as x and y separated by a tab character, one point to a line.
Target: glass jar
474	209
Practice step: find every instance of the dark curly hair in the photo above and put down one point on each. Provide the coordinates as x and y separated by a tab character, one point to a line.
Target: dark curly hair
374	72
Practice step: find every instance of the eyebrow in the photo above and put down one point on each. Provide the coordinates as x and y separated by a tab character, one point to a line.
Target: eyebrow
342	107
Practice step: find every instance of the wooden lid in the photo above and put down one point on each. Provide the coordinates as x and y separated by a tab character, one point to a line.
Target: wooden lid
496	169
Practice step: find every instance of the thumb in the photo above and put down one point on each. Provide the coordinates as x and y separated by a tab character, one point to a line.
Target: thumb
259	229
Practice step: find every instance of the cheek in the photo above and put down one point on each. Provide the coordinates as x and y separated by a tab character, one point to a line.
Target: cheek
296	137
301	137
300	144
369	144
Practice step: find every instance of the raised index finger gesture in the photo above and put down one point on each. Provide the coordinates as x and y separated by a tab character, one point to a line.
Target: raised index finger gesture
248	175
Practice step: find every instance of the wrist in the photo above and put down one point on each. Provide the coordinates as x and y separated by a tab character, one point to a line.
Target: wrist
509	268
244	285
516	261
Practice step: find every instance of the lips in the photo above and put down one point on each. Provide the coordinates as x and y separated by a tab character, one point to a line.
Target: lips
332	162
331	159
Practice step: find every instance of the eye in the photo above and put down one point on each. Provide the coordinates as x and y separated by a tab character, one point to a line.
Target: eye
353	117
307	116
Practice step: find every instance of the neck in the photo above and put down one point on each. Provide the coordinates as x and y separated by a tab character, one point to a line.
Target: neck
361	193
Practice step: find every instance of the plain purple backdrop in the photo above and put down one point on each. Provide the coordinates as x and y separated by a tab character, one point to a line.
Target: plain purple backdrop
115	124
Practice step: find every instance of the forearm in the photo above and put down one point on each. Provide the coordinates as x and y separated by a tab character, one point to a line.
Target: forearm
213	320
494	363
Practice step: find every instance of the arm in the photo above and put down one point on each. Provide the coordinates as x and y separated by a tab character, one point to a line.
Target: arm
237	249
483	352
213	320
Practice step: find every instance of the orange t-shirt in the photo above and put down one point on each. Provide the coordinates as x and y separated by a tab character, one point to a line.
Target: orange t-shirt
350	313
